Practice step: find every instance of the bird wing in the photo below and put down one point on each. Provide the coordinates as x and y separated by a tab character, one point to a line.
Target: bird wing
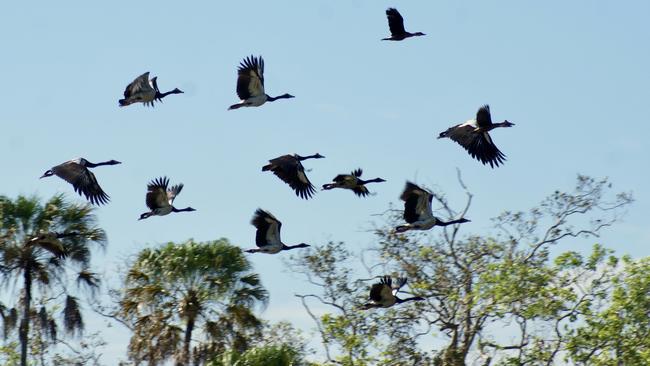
483	117
157	193
139	84
417	203
268	228
291	171
360	190
401	281
83	181
250	79
357	173
395	21
379	291
173	192
478	144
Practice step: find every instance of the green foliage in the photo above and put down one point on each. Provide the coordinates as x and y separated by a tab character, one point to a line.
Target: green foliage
41	246
474	285
282	355
617	331
175	289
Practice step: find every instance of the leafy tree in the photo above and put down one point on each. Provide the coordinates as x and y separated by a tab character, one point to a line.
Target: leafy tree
43	245
616	328
476	285
173	291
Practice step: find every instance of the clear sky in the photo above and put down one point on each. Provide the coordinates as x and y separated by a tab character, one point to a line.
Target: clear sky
572	75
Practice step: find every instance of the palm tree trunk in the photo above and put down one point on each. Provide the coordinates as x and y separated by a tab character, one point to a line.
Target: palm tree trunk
24	322
186	344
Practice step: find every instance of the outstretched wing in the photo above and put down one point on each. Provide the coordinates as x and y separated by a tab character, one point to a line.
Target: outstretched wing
395	22
483	117
173	192
140	83
417	203
83	181
478	144
268	228
157	193
291	171
250	79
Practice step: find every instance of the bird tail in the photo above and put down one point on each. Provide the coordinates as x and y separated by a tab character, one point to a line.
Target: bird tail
235	106
267	167
329	186
443	135
123	102
252	251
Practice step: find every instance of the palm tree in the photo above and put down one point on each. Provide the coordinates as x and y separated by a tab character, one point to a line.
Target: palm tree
43	244
177	288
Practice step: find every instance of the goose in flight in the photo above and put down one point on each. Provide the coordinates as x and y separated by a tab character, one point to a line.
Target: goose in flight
289	168
474	136
76	172
267	236
143	90
384	294
352	182
417	210
250	84
160	198
396	25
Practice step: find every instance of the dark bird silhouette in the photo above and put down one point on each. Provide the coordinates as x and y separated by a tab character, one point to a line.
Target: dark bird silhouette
417	210
384	294
267	236
143	90
76	172
474	137
352	182
396	25
250	84
160	198
289	168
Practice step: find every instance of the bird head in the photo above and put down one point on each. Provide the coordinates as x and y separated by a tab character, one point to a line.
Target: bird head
507	123
177	91
318	156
286	95
419	34
113	162
48	173
302	245
380	180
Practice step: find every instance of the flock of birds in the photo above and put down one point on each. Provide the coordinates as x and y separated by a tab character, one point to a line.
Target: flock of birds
472	135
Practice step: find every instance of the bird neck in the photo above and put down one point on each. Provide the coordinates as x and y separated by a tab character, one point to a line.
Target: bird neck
283	96
376	180
414	298
174	209
289	247
92	165
162	95
452	222
301	158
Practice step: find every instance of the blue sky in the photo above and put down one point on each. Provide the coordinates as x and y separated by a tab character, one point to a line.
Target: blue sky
573	77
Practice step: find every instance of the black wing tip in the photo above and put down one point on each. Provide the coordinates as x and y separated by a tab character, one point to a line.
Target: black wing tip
161	182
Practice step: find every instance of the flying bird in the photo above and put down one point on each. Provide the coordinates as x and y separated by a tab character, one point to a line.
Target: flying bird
76	172
143	90
250	84
352	182
474	136
417	210
267	236
289	168
384	294
160	198
396	25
